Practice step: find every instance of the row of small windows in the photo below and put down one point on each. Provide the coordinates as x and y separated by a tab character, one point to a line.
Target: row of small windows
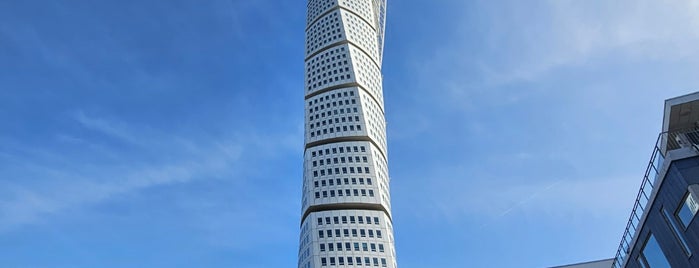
346	233
375	120
325	24
361	7
327	40
327	70
357	261
361	32
352	220
334	75
334	104
336	78
337	129
325	58
337	121
338	70
332	182
345	170
335	112
364	247
367	74
341	160
331	96
347	192
317	7
341	150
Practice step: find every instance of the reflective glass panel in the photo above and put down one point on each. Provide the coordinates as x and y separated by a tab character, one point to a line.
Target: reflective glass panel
655	258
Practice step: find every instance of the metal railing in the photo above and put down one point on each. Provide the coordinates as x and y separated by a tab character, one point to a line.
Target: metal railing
667	141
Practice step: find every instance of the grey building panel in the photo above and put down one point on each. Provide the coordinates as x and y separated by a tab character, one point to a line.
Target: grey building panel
593	264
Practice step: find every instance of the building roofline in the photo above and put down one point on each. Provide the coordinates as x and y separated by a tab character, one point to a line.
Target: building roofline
669	103
583	263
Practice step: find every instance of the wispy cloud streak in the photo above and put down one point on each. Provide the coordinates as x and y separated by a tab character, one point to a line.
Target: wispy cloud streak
54	186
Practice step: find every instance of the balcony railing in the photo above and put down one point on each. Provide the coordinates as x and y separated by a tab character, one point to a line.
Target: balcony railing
667	141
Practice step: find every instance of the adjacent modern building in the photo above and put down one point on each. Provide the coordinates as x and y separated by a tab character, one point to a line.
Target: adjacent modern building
346	203
593	264
662	230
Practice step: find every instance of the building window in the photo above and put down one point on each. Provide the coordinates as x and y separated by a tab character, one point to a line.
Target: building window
676	230
652	256
687	210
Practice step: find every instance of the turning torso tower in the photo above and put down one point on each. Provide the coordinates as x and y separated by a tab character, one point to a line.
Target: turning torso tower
346	206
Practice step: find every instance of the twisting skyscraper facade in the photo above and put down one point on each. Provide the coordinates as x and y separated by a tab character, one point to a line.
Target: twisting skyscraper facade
346	205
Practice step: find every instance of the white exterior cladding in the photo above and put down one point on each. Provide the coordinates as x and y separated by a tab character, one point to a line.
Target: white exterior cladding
346	205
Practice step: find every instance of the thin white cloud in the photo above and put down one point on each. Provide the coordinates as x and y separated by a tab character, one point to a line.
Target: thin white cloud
24	203
571	33
56	184
106	127
527	40
458	200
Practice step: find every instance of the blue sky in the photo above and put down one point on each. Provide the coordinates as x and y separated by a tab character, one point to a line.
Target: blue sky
170	133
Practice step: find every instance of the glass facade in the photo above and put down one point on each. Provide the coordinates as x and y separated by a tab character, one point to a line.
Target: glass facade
653	256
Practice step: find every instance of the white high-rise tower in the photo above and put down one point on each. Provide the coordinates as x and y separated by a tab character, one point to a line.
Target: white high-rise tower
346	206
